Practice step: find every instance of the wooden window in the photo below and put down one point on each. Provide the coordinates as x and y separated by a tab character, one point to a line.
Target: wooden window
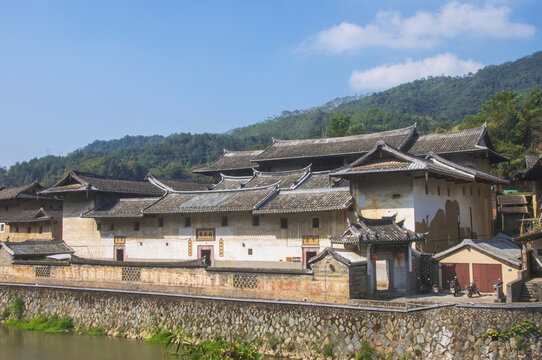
7	208
479	193
160	222
311	240
16	229
470	190
29	230
448	190
205	234
41	230
463	191
98	226
438	190
224	221
283	223
187	222
255	220
250	251
112	227
136	226
315	223
426	189
2	227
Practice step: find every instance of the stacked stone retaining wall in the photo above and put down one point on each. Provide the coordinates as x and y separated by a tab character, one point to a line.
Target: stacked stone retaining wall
300	330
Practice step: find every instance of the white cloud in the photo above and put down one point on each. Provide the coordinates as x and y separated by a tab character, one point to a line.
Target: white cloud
387	76
423	30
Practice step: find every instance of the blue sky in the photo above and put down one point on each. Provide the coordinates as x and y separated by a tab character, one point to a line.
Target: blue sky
75	71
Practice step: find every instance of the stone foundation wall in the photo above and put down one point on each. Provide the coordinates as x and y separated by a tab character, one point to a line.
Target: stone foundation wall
298	329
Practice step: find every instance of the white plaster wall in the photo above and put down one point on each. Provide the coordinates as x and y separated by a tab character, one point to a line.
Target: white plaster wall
477	197
385	195
267	241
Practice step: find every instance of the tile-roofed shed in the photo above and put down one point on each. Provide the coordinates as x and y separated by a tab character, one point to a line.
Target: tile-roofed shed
230	160
300	201
500	247
117	208
82	182
471	140
211	201
339	146
32	248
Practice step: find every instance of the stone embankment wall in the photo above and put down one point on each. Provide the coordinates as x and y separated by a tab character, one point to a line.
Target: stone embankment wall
307	331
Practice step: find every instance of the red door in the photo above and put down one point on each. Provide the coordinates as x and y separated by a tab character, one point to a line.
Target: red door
451	270
486	275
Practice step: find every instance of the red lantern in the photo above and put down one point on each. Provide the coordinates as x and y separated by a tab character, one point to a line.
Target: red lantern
374	257
399	255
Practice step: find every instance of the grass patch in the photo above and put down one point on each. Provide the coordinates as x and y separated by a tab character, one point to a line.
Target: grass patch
366	352
41	323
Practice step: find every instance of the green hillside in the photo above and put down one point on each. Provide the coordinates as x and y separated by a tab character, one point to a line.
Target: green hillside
434	103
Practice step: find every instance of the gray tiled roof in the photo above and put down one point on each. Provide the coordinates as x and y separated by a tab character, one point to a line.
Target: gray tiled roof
177	185
293	201
285	179
36	215
231	182
533	169
346	257
322	180
479	175
37	247
377	231
513	209
23	192
512	200
500	247
211	201
384	158
471	140
314	148
127	207
79	181
231	160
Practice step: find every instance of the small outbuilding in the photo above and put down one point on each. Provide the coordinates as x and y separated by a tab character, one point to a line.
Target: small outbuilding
485	261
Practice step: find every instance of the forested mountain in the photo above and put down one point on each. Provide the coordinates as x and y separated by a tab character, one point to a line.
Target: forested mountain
437	103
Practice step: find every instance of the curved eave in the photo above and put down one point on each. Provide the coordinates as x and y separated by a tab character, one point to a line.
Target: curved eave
303	210
198	211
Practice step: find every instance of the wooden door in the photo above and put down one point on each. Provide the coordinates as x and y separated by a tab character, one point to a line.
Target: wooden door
486	275
451	270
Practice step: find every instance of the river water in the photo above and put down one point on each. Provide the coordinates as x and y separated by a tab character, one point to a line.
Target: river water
16	344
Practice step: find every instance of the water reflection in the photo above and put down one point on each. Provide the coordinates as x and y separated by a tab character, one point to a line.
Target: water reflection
30	345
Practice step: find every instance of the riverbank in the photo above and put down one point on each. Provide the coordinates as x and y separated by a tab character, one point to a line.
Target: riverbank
297	330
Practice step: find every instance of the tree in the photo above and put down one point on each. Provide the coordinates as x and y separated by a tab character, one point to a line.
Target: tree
513	125
338	126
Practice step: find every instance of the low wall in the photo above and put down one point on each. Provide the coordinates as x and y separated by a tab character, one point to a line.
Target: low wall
300	329
320	285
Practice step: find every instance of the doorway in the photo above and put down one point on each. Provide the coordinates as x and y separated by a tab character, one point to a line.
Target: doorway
206	252
119	254
382	275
